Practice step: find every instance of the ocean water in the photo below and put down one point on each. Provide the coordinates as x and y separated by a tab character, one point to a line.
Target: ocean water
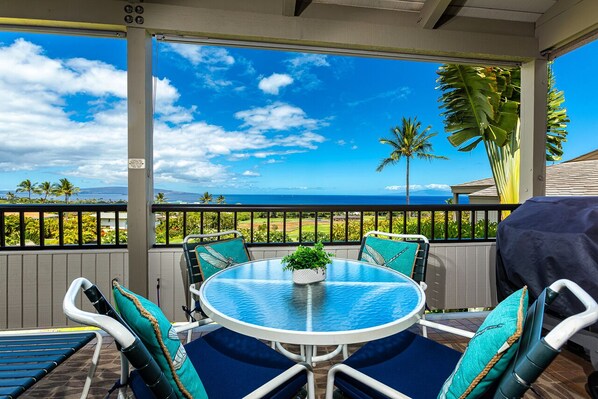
284	199
276	199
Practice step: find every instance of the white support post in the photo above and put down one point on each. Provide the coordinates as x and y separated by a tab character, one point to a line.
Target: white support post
140	224
534	76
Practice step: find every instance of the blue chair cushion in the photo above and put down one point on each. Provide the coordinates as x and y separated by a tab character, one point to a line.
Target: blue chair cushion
232	365
490	351
218	255
408	362
158	335
398	255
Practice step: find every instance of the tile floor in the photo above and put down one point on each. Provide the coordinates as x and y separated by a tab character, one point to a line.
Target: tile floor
565	378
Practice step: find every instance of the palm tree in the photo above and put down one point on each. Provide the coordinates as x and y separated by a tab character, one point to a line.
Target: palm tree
220	199
66	188
481	105
11	197
206	198
26	187
160	198
46	189
408	142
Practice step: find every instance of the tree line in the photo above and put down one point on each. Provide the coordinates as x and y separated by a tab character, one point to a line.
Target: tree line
206	198
64	188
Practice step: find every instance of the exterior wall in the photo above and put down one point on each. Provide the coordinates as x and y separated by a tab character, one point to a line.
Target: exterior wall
33	284
461	276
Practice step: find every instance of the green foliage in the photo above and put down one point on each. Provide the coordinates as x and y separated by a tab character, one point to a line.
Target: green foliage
206	198
160	198
556	122
407	142
481	105
66	188
307	258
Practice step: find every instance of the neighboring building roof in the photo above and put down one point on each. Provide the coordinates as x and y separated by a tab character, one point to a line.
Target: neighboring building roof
590	156
576	177
472	186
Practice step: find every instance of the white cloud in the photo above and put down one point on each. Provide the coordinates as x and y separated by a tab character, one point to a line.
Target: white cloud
354	147
196	54
302	68
419	187
250	173
302	60
40	129
443	187
274	82
277	116
400	93
341	142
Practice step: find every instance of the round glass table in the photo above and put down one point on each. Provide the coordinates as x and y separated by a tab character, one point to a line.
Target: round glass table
357	302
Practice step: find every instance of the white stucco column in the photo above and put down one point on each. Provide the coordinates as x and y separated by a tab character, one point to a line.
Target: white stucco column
534	76
141	233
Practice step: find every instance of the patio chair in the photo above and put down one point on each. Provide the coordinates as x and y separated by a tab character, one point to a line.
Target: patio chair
221	364
503	358
25	358
408	255
215	253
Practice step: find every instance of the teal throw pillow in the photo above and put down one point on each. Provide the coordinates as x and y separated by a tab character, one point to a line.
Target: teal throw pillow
218	255
490	351
162	341
398	255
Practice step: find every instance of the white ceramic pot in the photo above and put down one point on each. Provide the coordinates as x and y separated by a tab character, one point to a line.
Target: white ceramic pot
308	276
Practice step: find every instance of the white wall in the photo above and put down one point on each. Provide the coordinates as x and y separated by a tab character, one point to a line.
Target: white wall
32	284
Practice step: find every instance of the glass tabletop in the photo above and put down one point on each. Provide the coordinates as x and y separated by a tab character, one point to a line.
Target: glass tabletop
356	299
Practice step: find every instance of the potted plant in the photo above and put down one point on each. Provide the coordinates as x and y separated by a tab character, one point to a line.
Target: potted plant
307	264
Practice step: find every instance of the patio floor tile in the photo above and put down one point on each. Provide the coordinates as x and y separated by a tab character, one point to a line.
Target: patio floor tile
565	378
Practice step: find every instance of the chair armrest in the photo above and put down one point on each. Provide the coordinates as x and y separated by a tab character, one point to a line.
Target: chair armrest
397	235
188	326
442	327
120	333
359	376
568	327
274	383
194	290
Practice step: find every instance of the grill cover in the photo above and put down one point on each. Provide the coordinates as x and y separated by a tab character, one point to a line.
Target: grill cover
546	239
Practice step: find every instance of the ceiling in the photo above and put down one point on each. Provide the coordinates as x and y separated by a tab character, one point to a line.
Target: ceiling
508	31
506	10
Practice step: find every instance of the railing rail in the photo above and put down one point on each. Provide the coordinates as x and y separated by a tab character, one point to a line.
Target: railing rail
92	226
276	225
61	226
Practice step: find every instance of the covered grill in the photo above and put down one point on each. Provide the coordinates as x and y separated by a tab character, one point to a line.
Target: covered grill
545	239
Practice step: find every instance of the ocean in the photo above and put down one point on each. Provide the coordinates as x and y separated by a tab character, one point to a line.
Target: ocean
270	199
289	199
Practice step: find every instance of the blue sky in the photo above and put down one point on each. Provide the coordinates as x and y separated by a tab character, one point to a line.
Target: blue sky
231	120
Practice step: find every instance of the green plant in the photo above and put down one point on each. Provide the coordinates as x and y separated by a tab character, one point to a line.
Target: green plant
407	142
307	258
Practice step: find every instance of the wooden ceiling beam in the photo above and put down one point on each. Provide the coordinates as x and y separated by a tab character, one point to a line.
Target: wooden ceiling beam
300	6
431	13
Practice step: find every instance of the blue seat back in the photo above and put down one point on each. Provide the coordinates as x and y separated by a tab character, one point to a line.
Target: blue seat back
190	242
421	260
